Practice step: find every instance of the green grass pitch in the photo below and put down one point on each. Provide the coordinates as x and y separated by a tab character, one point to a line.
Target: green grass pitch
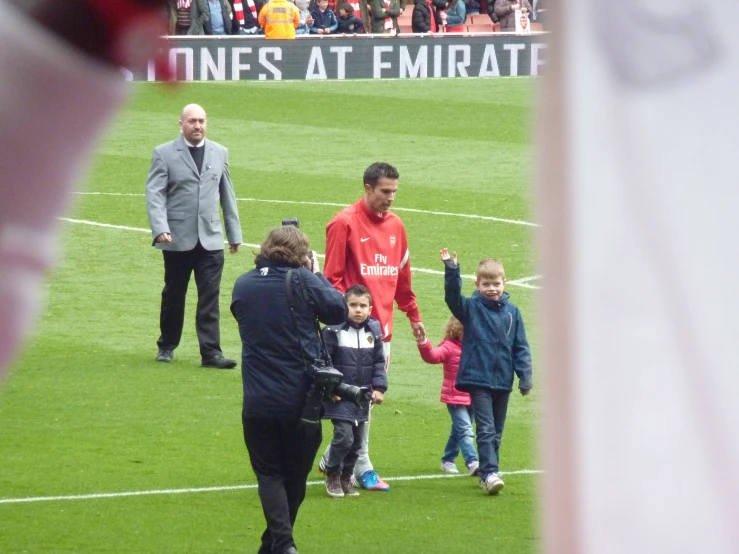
87	410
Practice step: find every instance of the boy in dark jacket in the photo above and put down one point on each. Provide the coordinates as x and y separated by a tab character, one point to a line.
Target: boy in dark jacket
324	19
494	347
356	350
348	22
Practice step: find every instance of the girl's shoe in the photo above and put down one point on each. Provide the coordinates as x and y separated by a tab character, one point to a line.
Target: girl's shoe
449	467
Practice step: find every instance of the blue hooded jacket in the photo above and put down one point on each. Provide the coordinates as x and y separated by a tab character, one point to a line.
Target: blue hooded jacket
324	20
494	345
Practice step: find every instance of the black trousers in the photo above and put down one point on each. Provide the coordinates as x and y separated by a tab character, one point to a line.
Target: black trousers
344	447
208	268
282	453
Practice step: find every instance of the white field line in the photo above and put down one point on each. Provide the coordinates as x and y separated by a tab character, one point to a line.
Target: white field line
517	283
467	216
524	282
97	496
527	279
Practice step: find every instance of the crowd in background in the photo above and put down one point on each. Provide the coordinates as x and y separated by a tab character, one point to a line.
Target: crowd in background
319	17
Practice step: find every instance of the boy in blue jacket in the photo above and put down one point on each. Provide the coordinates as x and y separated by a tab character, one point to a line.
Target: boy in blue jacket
324	20
355	347
494	347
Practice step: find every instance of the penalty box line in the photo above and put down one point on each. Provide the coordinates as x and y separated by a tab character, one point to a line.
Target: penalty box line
523	282
99	496
338	205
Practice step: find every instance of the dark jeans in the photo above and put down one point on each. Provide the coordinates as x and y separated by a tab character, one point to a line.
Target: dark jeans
345	446
178	266
282	453
490	407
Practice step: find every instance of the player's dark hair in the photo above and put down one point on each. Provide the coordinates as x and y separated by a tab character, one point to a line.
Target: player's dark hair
377	171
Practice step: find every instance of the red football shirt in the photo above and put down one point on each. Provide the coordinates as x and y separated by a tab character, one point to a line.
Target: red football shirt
364	248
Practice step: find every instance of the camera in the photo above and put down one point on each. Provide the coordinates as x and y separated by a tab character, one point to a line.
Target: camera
291	221
326	383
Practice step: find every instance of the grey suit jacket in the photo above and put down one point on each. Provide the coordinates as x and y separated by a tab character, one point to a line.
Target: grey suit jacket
184	203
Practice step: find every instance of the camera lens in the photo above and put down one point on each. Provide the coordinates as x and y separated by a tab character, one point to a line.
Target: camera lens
350	392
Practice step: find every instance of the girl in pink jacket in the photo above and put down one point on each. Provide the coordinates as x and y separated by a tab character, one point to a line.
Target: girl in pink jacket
457	402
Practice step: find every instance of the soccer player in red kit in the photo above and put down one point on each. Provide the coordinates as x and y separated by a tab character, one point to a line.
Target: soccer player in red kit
366	245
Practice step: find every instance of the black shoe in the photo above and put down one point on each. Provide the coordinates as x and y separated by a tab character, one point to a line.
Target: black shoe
165	355
219	362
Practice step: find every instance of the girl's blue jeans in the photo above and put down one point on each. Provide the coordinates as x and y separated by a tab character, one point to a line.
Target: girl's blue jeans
461	436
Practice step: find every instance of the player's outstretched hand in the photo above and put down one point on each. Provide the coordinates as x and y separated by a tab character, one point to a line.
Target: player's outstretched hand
446	256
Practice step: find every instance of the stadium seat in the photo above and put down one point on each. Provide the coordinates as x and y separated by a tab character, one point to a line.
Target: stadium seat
537	27
479	18
480	28
405	27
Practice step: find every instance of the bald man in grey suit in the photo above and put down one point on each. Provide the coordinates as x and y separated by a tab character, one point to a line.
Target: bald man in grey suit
188	179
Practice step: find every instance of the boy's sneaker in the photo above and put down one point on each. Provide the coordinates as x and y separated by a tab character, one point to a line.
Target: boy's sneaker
493	484
473	467
449	467
333	485
371	481
322	466
347	487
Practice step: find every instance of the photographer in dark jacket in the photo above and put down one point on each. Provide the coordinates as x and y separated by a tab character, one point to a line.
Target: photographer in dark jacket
277	345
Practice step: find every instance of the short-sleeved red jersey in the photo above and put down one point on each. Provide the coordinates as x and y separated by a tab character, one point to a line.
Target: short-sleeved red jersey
364	248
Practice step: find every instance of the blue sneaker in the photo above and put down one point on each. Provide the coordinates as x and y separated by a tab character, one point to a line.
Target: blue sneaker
370	481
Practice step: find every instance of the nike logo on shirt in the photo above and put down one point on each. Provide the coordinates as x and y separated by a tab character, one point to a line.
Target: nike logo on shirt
364	239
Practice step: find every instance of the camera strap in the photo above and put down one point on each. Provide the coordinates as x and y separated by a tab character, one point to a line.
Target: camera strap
291	302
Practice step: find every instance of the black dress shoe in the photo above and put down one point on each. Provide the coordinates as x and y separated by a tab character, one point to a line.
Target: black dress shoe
165	355
219	362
